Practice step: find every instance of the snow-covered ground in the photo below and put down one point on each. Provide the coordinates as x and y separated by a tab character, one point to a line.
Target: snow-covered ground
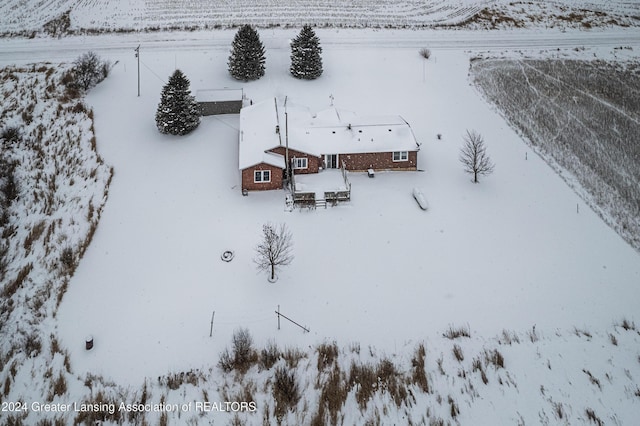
518	250
509	252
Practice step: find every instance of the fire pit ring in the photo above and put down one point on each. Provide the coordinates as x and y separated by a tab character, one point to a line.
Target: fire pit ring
227	256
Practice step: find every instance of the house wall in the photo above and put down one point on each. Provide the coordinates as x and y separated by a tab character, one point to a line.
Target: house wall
378	161
222	107
250	185
313	163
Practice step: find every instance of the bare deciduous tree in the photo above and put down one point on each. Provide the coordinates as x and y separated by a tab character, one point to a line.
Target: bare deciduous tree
473	156
274	250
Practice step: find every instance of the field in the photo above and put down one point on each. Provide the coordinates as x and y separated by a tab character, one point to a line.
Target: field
583	115
19	17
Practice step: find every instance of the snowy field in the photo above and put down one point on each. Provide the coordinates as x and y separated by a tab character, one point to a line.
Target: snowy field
511	252
27	17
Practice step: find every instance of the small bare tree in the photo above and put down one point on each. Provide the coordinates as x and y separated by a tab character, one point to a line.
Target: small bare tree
473	156
274	250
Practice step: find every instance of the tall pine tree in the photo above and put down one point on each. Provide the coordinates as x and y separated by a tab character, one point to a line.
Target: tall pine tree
247	59
178	112
306	62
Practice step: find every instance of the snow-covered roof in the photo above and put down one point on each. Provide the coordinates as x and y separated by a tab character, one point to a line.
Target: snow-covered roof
258	134
218	95
331	131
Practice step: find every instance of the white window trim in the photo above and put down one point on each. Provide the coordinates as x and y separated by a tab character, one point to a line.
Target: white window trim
402	155
297	165
261	173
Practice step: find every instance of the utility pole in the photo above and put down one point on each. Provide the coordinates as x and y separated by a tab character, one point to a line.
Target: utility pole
137	50
286	137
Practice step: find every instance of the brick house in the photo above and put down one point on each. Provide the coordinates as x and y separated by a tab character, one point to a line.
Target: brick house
326	140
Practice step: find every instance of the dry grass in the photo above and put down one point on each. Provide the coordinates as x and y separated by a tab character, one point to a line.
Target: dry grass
173	381
327	355
507	338
477	365
293	356
455	333
58	387
628	325
457	353
269	355
453	407
14	285
592	378
591	416
418	372
334	392
495	358
99	417
368	379
286	392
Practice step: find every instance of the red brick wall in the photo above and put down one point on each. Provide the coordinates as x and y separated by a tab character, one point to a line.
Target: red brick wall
313	163
250	185
378	161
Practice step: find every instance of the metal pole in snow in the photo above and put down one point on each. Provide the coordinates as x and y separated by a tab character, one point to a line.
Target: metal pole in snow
211	331
137	49
278	317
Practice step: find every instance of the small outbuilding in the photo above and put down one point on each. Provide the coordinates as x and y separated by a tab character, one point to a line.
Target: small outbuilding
219	101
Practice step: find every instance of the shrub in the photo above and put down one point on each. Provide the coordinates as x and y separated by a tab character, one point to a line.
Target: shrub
88	70
425	53
243	356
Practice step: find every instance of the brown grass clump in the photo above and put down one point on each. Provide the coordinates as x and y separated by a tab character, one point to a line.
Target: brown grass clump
454	333
286	392
457	352
418	372
327	355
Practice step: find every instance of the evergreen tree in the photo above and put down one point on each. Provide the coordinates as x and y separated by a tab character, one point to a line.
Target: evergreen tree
246	61
306	62
178	112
